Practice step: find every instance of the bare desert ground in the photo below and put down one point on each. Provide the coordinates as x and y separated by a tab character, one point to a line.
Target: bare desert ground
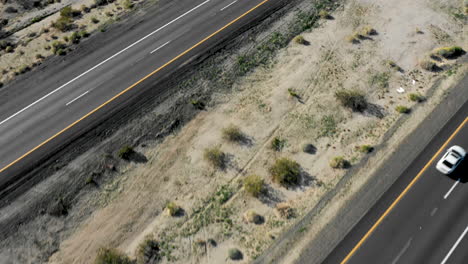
374	47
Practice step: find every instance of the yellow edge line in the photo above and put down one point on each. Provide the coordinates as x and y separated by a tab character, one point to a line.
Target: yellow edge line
133	85
379	221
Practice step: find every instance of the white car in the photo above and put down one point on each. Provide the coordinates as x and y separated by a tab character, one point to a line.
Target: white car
451	159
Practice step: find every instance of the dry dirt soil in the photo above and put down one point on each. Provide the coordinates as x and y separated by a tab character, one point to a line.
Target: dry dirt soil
291	99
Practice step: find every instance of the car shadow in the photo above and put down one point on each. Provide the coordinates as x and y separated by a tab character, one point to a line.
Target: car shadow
460	173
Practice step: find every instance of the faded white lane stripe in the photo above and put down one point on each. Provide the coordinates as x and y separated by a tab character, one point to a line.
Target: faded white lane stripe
104	61
454	246
228	6
451	189
160	47
77	98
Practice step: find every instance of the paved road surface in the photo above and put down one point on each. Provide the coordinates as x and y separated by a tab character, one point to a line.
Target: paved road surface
430	223
35	108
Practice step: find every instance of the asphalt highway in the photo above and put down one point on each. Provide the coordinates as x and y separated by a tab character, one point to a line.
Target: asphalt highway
429	223
46	101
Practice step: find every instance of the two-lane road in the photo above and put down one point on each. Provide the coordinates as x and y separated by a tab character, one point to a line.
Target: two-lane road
425	221
37	111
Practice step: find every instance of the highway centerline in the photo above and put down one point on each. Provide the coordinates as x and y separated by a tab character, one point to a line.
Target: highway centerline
160	47
454	246
228	6
451	189
104	61
77	98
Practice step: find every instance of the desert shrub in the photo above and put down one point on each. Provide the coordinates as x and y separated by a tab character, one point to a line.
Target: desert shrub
84	33
366	148
252	217
128	4
69	12
254	185
300	40
148	252
85	9
75	38
224	194
285	172
125	152
109	13
323	14
402	109
173	209
416	97
284	210
198	104
393	65
293	93
24	69
368	31
354	38
353	99
428	65
233	133
59	208
449	52
215	157
101	2
9	49
277	144
235	254
4	44
61	52
58	45
111	256
63	24
11	9
339	162
94	20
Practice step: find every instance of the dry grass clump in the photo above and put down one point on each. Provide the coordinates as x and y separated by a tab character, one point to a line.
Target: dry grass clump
324	14
215	157
252	217
277	144
285	172
366	149
354	38
449	52
402	109
428	65
300	40
416	97
173	209
233	133
284	210
393	65
148	252
352	99
254	185
111	256
368	31
125	152
339	163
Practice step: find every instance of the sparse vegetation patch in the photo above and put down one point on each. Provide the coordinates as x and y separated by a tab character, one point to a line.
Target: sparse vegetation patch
352	99
285	172
253	184
111	256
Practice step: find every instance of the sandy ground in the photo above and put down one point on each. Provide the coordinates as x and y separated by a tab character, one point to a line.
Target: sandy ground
262	108
131	206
